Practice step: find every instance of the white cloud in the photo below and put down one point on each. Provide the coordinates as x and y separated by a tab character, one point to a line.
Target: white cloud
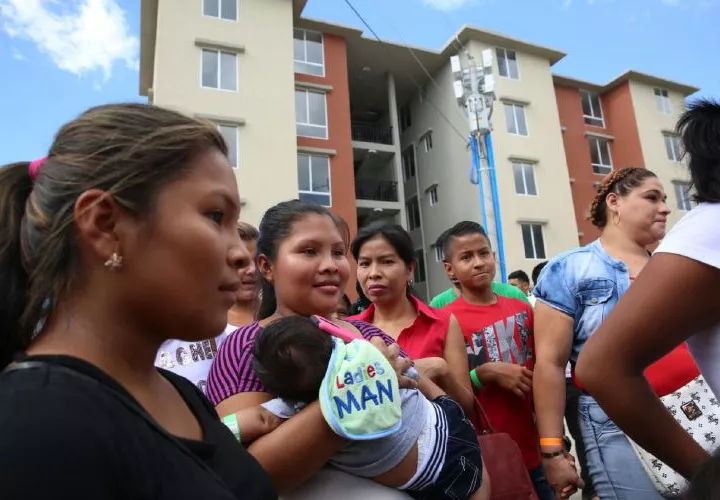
447	4
80	36
17	55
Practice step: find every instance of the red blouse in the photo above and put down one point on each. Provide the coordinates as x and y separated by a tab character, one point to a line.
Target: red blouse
425	337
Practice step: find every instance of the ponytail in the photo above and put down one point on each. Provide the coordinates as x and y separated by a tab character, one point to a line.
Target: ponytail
15	188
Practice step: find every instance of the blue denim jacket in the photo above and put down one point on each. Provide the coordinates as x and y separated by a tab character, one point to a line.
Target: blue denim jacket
585	283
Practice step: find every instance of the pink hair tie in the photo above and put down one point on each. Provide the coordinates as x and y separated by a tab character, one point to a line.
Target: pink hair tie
35	167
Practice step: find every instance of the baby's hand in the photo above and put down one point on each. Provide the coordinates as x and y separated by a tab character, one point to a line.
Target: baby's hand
255	422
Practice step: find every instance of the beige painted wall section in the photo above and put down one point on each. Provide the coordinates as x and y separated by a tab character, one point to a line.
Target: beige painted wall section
267	170
651	125
553	206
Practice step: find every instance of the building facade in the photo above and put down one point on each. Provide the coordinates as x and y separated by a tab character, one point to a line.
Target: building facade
316	110
628	122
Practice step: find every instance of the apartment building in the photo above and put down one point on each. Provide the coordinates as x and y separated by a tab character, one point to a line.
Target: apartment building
316	110
627	122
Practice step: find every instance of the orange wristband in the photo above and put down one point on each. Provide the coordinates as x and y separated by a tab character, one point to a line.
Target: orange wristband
552	442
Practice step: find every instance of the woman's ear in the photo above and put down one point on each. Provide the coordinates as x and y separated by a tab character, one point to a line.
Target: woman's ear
611	200
265	267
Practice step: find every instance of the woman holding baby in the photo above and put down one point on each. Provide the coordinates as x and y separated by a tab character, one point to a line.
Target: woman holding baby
302	258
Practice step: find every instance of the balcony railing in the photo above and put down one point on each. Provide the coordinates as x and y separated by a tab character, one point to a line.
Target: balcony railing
376	190
367	132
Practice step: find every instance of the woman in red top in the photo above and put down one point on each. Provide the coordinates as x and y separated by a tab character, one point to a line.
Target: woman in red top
386	262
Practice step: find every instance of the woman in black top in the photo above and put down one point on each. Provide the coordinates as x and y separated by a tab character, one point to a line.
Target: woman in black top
123	237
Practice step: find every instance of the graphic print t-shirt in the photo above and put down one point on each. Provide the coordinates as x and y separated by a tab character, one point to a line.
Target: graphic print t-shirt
502	332
191	360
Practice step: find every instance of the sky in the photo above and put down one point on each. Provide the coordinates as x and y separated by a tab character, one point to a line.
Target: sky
59	57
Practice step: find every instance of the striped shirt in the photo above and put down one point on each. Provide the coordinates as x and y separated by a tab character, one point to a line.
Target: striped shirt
232	370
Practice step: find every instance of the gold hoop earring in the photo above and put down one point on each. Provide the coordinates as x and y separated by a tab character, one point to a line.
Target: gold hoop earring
115	262
616	218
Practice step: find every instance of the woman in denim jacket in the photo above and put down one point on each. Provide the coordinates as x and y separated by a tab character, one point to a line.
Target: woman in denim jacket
575	292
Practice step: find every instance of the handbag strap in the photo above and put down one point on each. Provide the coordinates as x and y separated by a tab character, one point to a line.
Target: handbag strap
481	416
126	401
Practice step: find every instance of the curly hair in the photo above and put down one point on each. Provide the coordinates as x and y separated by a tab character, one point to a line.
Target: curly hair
621	182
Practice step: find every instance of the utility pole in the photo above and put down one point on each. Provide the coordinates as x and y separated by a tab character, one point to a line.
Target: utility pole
474	87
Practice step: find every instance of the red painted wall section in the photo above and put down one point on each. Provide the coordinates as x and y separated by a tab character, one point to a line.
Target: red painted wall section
342	176
625	150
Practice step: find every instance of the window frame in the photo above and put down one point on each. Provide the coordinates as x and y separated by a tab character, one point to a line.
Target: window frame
672	147
411	150
218	53
439	254
505	52
326	127
515	106
432	195
219	16
220	126
536	255
426	142
662	100
310	191
685	202
415	203
306	62
519	163
599	166
591	119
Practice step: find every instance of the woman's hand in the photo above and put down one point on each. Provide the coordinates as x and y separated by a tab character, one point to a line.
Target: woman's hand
400	365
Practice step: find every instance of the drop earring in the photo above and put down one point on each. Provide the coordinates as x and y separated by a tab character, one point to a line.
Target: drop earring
115	262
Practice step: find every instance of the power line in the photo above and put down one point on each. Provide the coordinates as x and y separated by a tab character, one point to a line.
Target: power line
462	136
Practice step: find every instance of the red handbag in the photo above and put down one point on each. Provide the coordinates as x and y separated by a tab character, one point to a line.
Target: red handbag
509	478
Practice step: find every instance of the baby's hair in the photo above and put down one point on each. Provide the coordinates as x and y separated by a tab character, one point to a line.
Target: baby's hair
291	356
621	182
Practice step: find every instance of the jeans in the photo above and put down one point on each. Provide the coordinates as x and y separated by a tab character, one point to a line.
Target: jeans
572	397
615	470
542	488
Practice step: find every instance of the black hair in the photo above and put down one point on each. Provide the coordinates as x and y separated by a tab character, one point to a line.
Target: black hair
291	356
275	226
699	128
347	302
519	275
536	271
705	485
463	228
398	238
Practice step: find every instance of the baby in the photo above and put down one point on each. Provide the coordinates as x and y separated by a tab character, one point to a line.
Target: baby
432	452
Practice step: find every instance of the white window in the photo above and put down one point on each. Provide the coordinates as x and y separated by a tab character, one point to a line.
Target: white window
219	70
600	155
524	175
432	195
230	134
408	163
507	63
672	147
662	100
533	241
404	118
592	112
413	213
515	119
426	142
223	9
682	194
419	273
308	49
311	114
314	179
439	254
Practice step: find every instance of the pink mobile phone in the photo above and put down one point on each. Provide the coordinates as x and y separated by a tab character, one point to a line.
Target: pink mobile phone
334	330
